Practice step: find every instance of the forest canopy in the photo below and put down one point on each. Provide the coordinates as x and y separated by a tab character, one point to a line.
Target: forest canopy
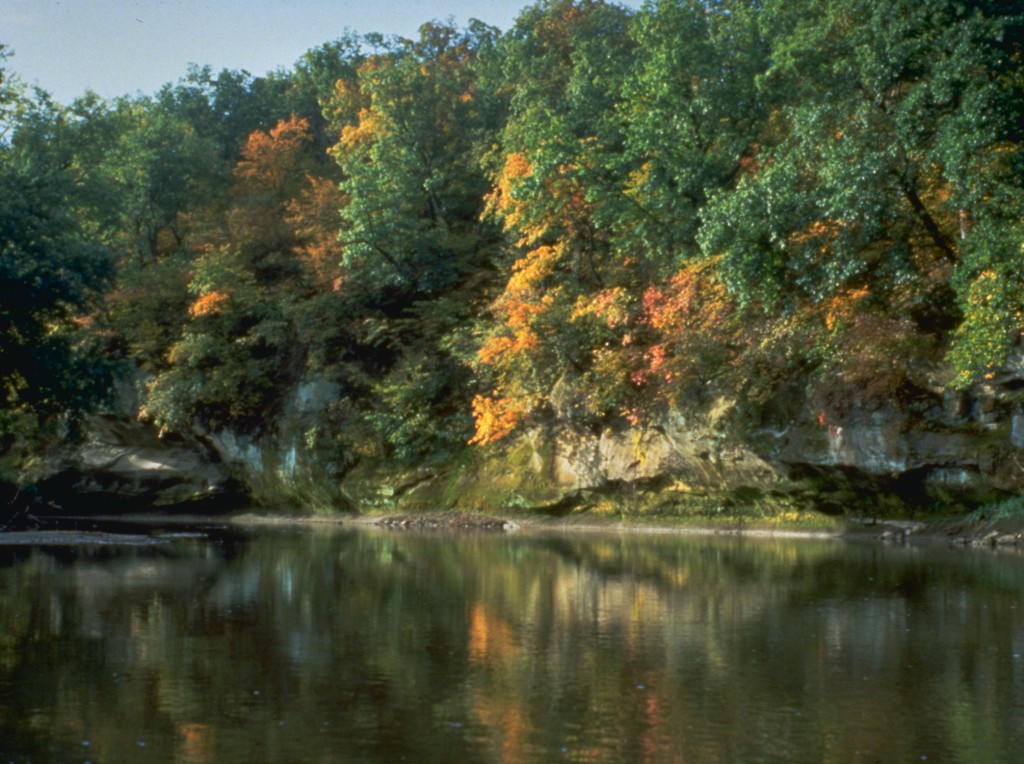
597	216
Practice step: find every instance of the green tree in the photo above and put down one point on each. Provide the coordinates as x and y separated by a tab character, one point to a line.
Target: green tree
415	255
889	120
410	165
161	169
52	274
695	122
888	176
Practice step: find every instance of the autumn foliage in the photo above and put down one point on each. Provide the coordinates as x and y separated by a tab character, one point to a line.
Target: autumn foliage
597	218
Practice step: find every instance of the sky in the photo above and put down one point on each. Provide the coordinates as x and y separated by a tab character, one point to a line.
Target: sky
119	47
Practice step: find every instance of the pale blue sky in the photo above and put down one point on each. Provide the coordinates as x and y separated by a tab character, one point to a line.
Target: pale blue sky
117	47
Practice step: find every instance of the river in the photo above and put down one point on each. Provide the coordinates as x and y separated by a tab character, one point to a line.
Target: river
359	645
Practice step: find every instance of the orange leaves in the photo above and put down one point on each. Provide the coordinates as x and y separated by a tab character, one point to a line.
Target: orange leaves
843	306
820	234
285	219
517	166
270	160
495	418
496	349
516	343
687	321
518	316
315	216
208	304
558	211
693	299
632	355
523	300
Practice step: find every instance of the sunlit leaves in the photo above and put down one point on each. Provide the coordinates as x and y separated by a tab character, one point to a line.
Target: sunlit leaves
595	216
993	323
694	115
496	418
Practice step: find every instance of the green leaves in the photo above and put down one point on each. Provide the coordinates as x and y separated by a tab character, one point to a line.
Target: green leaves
991	297
409	164
51	275
595	214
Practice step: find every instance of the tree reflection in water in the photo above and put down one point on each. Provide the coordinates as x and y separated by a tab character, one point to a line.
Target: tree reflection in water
373	646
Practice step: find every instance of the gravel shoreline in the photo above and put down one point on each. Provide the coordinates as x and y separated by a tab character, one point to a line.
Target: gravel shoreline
1003	535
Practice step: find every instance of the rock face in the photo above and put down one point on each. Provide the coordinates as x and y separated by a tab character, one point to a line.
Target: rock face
285	464
941	447
124	464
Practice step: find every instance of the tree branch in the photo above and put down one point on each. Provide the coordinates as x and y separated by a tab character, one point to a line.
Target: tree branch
928	221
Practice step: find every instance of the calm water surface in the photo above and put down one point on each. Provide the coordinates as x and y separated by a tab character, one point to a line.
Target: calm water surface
368	646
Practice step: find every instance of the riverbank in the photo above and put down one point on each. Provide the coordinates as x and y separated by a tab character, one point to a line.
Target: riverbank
1005	534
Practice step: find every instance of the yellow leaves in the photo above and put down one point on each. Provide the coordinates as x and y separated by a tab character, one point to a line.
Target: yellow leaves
991	325
529	271
517	166
495	418
208	304
501	201
608	305
638	179
346	99
983	289
369	128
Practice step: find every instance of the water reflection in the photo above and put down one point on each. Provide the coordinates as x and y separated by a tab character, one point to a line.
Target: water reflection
372	646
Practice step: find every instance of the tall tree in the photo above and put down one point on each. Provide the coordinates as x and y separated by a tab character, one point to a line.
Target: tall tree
415	255
52	274
556	193
237	348
409	164
888	159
